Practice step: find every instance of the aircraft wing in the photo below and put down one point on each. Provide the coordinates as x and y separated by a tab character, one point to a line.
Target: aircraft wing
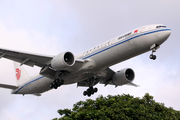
26	58
109	76
8	86
108	73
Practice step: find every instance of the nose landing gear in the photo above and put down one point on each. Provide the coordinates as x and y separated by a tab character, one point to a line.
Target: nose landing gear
153	57
154	47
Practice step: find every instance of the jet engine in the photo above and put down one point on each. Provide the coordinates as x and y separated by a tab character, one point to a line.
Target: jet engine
123	76
63	61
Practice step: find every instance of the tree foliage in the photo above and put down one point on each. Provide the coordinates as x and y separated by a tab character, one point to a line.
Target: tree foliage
119	107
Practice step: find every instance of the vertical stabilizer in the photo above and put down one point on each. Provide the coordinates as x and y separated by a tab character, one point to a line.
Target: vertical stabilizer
20	74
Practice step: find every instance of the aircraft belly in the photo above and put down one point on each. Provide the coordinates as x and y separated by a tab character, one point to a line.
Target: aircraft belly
73	77
38	86
24	90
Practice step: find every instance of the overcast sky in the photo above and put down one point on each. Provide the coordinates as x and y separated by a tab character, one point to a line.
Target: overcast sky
51	27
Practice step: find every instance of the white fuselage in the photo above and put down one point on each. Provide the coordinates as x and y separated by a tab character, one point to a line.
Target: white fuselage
98	58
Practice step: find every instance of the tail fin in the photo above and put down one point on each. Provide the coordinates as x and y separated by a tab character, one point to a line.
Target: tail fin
20	73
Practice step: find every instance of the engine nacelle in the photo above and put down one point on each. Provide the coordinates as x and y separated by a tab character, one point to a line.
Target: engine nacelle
63	61
123	76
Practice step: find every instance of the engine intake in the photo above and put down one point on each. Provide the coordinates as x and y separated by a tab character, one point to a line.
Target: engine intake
123	76
62	61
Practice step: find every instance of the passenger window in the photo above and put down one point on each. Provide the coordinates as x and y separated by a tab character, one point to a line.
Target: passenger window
109	43
94	48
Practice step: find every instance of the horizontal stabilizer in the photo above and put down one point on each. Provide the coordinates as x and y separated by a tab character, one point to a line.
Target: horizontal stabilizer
8	86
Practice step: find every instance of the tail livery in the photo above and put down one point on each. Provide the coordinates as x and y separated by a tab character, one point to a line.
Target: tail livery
21	77
20	74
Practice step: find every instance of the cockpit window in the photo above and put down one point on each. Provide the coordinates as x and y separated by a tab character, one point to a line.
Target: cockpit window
160	26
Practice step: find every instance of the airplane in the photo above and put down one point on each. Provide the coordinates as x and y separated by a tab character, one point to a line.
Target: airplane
88	68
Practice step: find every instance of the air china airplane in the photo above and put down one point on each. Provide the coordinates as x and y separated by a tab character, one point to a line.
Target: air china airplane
90	67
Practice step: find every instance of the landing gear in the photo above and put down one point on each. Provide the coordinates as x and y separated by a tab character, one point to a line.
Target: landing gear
56	83
153	57
91	82
154	47
90	91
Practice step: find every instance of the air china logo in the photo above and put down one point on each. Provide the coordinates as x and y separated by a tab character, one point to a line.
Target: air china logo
18	73
135	31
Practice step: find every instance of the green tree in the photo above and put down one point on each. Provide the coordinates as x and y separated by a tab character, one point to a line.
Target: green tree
119	107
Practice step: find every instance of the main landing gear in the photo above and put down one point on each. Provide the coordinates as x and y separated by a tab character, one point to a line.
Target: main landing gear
56	83
90	91
91	82
154	47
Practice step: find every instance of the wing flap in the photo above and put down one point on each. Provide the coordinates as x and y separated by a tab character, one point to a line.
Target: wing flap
88	82
132	84
82	84
37	94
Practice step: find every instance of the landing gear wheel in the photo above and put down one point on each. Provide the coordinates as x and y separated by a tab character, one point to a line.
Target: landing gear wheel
153	47
51	85
90	91
89	94
95	90
56	83
85	93
55	87
153	57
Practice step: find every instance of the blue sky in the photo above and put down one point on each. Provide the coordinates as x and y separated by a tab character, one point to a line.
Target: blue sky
51	27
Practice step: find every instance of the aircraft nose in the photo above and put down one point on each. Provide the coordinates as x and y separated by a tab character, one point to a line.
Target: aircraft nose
163	36
167	34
